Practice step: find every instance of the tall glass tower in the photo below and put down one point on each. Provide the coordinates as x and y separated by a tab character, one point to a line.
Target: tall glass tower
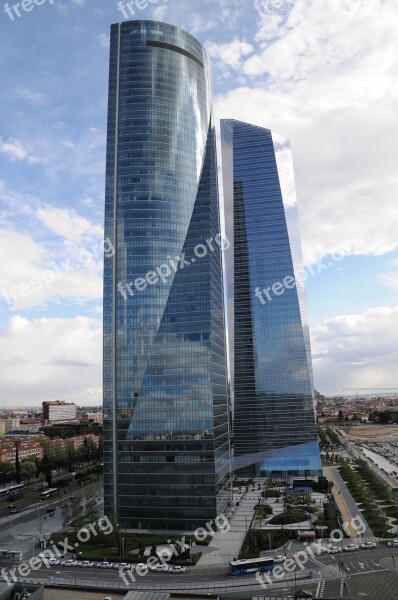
166	428
274	427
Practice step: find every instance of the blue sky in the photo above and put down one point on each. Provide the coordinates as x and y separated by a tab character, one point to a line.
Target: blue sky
321	72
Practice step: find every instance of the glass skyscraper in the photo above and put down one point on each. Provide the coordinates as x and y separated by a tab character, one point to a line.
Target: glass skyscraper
274	425
166	426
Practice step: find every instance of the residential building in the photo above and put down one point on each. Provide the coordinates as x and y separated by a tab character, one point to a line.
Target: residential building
274	429
166	426
58	411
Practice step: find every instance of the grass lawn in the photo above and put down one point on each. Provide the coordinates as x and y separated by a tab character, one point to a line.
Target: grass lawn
104	547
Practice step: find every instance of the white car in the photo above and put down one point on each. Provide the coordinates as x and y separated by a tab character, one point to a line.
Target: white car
158	568
88	564
393	544
333	550
280	558
368	545
69	563
177	569
351	548
105	565
53	561
122	566
141	567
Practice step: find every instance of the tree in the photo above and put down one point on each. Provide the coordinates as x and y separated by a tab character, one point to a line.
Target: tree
141	550
341	415
28	470
18	477
46	468
7	473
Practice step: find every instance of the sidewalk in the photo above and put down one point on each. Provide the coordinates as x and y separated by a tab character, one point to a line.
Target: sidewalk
226	546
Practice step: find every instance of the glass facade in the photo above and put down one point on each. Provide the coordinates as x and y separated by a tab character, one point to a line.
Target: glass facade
274	425
166	427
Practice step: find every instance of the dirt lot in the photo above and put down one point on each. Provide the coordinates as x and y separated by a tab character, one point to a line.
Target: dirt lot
370	431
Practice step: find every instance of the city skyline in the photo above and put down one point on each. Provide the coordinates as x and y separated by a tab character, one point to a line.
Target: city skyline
321	86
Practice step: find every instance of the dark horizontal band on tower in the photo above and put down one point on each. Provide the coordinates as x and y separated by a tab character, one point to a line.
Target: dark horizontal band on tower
166	46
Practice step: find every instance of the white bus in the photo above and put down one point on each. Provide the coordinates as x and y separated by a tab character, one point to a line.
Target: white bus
15	554
49	493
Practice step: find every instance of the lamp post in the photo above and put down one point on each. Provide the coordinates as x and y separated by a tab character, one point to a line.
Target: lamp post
269	541
77	557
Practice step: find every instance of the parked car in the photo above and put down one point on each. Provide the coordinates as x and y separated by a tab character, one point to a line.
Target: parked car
105	565
177	569
280	558
121	566
393	544
52	561
88	564
158	568
368	545
14	511
303	594
333	550
69	563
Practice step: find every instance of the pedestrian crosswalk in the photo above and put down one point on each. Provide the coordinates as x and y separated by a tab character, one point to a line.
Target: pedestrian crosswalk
321	588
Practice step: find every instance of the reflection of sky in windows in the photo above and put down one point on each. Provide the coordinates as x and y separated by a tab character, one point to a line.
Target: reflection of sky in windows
270	349
169	395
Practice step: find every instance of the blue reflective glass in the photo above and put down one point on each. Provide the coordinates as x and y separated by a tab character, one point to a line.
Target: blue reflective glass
166	437
274	428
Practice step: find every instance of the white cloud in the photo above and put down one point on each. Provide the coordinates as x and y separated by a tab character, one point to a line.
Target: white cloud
45	265
68	224
229	54
47	359
159	13
390	279
331	87
104	40
356	350
30	95
39	275
15	150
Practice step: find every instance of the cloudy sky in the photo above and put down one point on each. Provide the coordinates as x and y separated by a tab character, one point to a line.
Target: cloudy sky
322	72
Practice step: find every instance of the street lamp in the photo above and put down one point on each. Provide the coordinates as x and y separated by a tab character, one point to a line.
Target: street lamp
77	557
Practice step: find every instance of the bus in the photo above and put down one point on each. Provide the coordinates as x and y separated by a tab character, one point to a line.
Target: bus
14	554
15	489
241	567
48	493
